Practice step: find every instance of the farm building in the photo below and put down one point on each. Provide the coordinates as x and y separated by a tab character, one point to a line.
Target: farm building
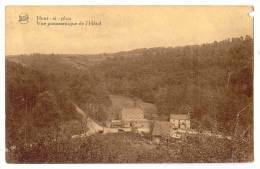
133	117
180	121
131	114
119	103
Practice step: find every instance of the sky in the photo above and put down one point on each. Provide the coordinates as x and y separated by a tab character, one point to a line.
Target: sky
122	27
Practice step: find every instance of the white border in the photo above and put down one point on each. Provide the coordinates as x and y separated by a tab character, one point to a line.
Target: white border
256	5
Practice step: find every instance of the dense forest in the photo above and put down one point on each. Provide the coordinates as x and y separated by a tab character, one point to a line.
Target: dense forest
213	82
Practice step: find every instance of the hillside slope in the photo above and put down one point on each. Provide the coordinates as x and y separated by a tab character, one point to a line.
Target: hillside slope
213	80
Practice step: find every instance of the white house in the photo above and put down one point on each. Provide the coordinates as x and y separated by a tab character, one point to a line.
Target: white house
180	121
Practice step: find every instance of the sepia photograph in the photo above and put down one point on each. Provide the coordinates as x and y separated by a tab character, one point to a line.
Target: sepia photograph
129	84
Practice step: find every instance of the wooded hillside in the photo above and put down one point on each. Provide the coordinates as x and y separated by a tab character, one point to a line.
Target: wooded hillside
213	82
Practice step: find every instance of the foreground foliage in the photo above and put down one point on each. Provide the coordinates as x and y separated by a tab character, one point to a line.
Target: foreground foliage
131	148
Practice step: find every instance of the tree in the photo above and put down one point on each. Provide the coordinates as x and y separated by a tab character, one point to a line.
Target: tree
46	112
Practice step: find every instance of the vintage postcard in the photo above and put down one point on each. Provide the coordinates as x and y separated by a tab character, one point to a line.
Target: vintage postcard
129	84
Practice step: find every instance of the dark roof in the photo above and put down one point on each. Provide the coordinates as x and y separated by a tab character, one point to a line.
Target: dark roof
161	128
118	103
180	116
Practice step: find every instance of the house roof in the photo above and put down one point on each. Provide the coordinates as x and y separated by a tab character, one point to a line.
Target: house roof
132	113
132	110
161	128
118	103
180	116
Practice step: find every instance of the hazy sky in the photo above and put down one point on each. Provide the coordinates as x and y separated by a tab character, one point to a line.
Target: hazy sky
122	28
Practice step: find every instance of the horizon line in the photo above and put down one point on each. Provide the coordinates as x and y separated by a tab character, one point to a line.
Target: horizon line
129	50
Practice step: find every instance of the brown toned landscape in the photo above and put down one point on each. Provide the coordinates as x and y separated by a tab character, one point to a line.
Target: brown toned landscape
182	104
129	84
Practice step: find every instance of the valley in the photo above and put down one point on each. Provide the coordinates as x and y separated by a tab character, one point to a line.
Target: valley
72	102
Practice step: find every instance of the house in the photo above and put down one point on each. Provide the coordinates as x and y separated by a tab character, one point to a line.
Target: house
133	113
180	121
131	117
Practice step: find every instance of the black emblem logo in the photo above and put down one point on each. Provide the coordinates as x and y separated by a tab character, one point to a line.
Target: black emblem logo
23	18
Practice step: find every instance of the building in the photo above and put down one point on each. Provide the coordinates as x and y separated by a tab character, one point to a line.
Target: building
131	117
134	113
180	121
